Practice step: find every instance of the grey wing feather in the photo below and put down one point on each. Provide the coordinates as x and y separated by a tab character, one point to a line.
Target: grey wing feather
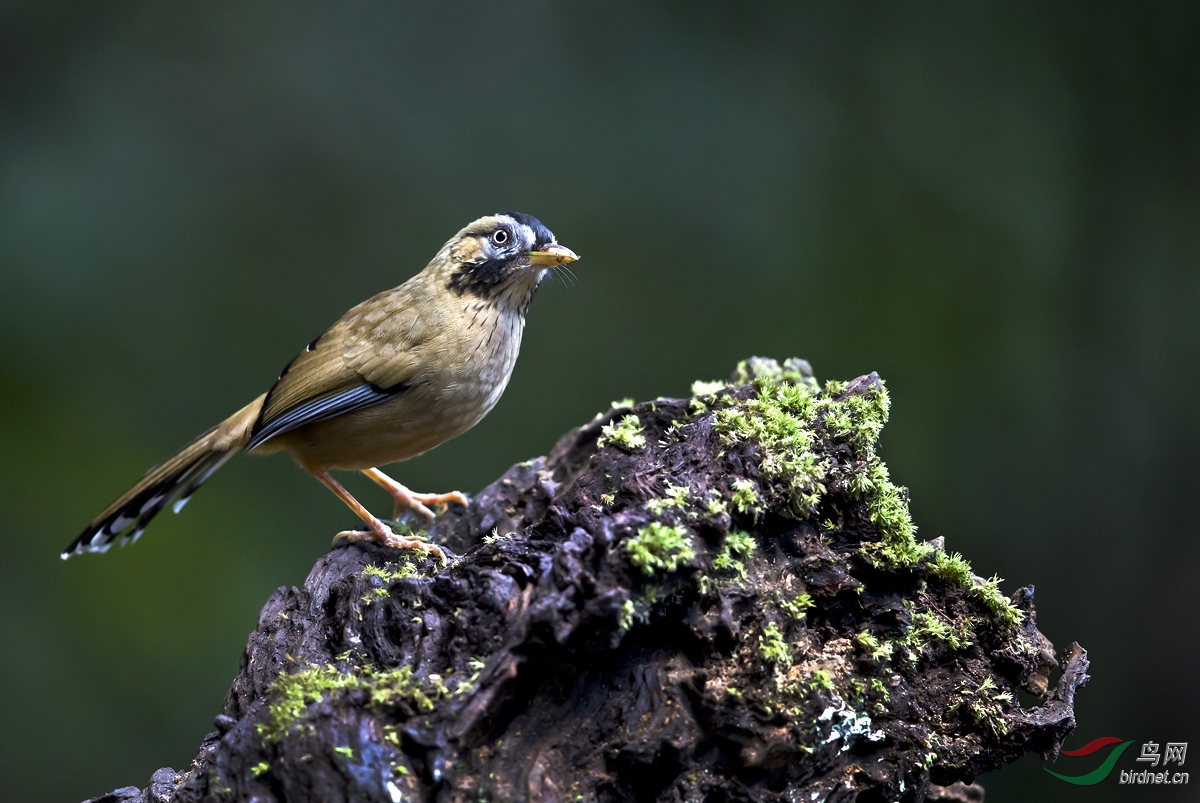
359	397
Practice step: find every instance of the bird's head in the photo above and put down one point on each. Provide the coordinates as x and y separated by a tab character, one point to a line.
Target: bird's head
502	258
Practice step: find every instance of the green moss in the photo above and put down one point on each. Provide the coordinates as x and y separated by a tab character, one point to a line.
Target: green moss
928	626
793	371
625	616
626	434
795	426
622	404
880	653
660	547
984	705
259	768
822	679
348	752
888	507
676	496
745	498
778	422
291	694
1000	606
784	422
772	647
402	528
381	572
735	546
954	569
796	608
702	388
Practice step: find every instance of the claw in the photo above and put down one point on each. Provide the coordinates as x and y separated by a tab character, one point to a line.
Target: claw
385	536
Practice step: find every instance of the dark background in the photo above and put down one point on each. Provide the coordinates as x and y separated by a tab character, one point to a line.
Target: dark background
996	208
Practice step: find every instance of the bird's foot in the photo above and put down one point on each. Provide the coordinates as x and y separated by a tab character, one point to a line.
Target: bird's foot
407	500
379	533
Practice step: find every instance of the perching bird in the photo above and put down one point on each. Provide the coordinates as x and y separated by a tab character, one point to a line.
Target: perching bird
397	375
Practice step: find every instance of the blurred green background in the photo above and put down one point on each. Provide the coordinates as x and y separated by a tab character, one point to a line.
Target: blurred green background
997	208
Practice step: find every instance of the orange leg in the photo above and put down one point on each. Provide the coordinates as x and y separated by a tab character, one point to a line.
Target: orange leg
376	531
407	500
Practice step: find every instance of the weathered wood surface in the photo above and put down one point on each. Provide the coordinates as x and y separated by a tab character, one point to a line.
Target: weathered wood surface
553	660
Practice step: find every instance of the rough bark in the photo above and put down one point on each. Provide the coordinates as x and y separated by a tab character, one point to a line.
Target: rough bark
578	649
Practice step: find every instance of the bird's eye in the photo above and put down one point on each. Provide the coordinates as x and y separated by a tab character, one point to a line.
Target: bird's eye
500	237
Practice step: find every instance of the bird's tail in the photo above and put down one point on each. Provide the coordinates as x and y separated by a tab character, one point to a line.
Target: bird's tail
176	478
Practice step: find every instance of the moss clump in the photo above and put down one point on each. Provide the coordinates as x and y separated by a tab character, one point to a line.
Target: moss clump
1001	607
702	388
660	547
625	616
984	705
626	434
778	422
772	647
259	768
888	506
875	651
675	496
735	546
926	627
402	528
390	573
954	569
822	679
291	694
793	371
797	608
796	426
745	498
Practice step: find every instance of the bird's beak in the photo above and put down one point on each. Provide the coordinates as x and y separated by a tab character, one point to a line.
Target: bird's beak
552	256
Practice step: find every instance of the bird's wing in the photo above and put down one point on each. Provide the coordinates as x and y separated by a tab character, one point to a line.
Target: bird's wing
372	354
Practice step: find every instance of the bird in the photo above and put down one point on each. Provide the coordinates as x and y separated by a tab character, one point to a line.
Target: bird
397	375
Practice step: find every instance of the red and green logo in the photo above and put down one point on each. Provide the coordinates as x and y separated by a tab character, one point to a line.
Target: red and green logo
1100	773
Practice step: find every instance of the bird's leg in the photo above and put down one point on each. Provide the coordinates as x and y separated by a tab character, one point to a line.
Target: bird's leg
407	500
376	531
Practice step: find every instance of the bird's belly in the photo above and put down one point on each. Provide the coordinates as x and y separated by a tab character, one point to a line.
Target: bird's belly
414	422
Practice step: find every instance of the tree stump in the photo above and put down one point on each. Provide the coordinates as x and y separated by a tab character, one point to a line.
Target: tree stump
717	598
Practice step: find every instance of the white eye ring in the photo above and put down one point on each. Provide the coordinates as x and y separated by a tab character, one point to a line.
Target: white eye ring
500	236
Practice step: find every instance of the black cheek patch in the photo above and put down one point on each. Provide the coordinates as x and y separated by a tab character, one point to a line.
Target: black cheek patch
480	278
